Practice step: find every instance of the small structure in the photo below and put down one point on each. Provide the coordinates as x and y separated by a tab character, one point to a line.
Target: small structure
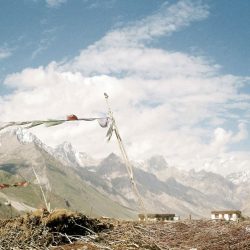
227	215
157	217
177	217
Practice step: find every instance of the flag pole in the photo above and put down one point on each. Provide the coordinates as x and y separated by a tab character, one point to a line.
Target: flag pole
44	197
126	160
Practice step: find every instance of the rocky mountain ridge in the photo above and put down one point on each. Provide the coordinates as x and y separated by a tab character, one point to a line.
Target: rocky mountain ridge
163	188
21	153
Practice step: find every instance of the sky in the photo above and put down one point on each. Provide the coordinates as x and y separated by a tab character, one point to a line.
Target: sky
177	74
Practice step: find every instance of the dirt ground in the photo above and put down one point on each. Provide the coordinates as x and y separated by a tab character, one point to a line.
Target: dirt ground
68	230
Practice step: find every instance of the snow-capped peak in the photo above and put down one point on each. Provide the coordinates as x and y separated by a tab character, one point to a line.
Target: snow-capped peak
239	177
70	156
24	136
67	154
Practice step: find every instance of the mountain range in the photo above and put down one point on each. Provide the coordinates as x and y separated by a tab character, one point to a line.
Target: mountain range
20	153
75	180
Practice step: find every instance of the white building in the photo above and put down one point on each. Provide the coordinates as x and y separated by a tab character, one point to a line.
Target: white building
227	215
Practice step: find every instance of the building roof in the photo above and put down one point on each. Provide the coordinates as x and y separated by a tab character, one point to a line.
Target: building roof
156	215
226	212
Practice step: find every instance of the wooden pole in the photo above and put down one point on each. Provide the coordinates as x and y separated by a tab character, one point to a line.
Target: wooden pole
125	158
44	197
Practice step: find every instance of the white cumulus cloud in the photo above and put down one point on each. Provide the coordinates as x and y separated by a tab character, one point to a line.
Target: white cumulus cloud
165	102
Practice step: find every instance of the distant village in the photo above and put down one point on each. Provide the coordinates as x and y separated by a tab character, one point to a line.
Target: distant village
223	215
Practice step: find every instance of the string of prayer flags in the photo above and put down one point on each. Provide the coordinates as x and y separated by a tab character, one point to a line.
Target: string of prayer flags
102	121
17	184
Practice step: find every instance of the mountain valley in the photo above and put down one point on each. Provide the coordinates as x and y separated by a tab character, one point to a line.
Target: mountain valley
74	180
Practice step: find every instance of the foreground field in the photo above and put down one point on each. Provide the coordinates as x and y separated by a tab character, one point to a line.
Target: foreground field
195	234
68	230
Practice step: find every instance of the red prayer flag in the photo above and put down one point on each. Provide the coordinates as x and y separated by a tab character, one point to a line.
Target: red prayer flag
72	118
3	185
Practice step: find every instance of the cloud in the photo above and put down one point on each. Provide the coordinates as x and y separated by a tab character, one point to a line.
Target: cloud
126	45
168	103
55	3
242	134
48	36
42	46
166	21
94	4
5	53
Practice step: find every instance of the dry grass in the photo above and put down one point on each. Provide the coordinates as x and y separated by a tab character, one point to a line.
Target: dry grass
41	230
64	229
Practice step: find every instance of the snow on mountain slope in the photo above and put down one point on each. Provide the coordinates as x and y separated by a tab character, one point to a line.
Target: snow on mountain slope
64	152
24	136
239	177
68	155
